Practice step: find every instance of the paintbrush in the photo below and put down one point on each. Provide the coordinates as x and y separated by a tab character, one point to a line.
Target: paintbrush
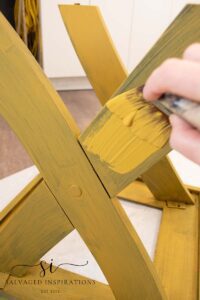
125	139
188	110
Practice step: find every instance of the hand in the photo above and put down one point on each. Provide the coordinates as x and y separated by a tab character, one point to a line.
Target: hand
181	77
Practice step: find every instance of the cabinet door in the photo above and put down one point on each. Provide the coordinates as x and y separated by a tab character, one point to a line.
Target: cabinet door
117	16
59	57
150	19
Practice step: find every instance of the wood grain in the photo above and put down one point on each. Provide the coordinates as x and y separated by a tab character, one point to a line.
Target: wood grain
94	47
34	111
102	66
31	225
139	193
59	285
166	191
35	183
120	152
176	256
171	44
182	32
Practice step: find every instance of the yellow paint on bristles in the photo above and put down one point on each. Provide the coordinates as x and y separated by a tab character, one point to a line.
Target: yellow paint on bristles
133	131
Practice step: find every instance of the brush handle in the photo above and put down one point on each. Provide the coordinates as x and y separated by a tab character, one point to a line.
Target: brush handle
184	108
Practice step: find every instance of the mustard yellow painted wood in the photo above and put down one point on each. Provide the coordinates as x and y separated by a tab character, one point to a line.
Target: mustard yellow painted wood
139	193
3	278
177	252
183	31
167	46
178	192
33	226
176	258
104	68
90	16
20	197
119	150
6	45
94	47
193	189
59	285
34	111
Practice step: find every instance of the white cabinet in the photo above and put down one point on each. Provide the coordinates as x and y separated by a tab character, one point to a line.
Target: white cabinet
134	25
59	57
150	19
118	18
60	62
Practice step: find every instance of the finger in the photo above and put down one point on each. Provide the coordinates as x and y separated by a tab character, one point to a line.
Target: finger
192	52
179	123
181	77
185	139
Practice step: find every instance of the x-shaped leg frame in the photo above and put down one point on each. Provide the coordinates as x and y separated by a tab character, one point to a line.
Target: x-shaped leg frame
76	189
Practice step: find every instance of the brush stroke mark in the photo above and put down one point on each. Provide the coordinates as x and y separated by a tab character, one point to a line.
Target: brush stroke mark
132	131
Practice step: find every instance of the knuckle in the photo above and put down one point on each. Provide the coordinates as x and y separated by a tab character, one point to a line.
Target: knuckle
168	67
169	64
191	50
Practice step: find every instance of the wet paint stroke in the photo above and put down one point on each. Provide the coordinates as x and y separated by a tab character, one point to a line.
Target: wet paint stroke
133	131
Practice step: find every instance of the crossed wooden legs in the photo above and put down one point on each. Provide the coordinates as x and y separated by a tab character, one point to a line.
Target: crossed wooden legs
34	110
68	180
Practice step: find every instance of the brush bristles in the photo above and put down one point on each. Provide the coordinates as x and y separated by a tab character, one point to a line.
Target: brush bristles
134	130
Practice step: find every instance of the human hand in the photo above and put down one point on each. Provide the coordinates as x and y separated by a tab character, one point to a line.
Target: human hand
180	77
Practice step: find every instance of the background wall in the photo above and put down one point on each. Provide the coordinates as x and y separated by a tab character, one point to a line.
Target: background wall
134	25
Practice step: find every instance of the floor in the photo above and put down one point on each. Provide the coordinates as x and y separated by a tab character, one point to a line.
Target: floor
83	105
